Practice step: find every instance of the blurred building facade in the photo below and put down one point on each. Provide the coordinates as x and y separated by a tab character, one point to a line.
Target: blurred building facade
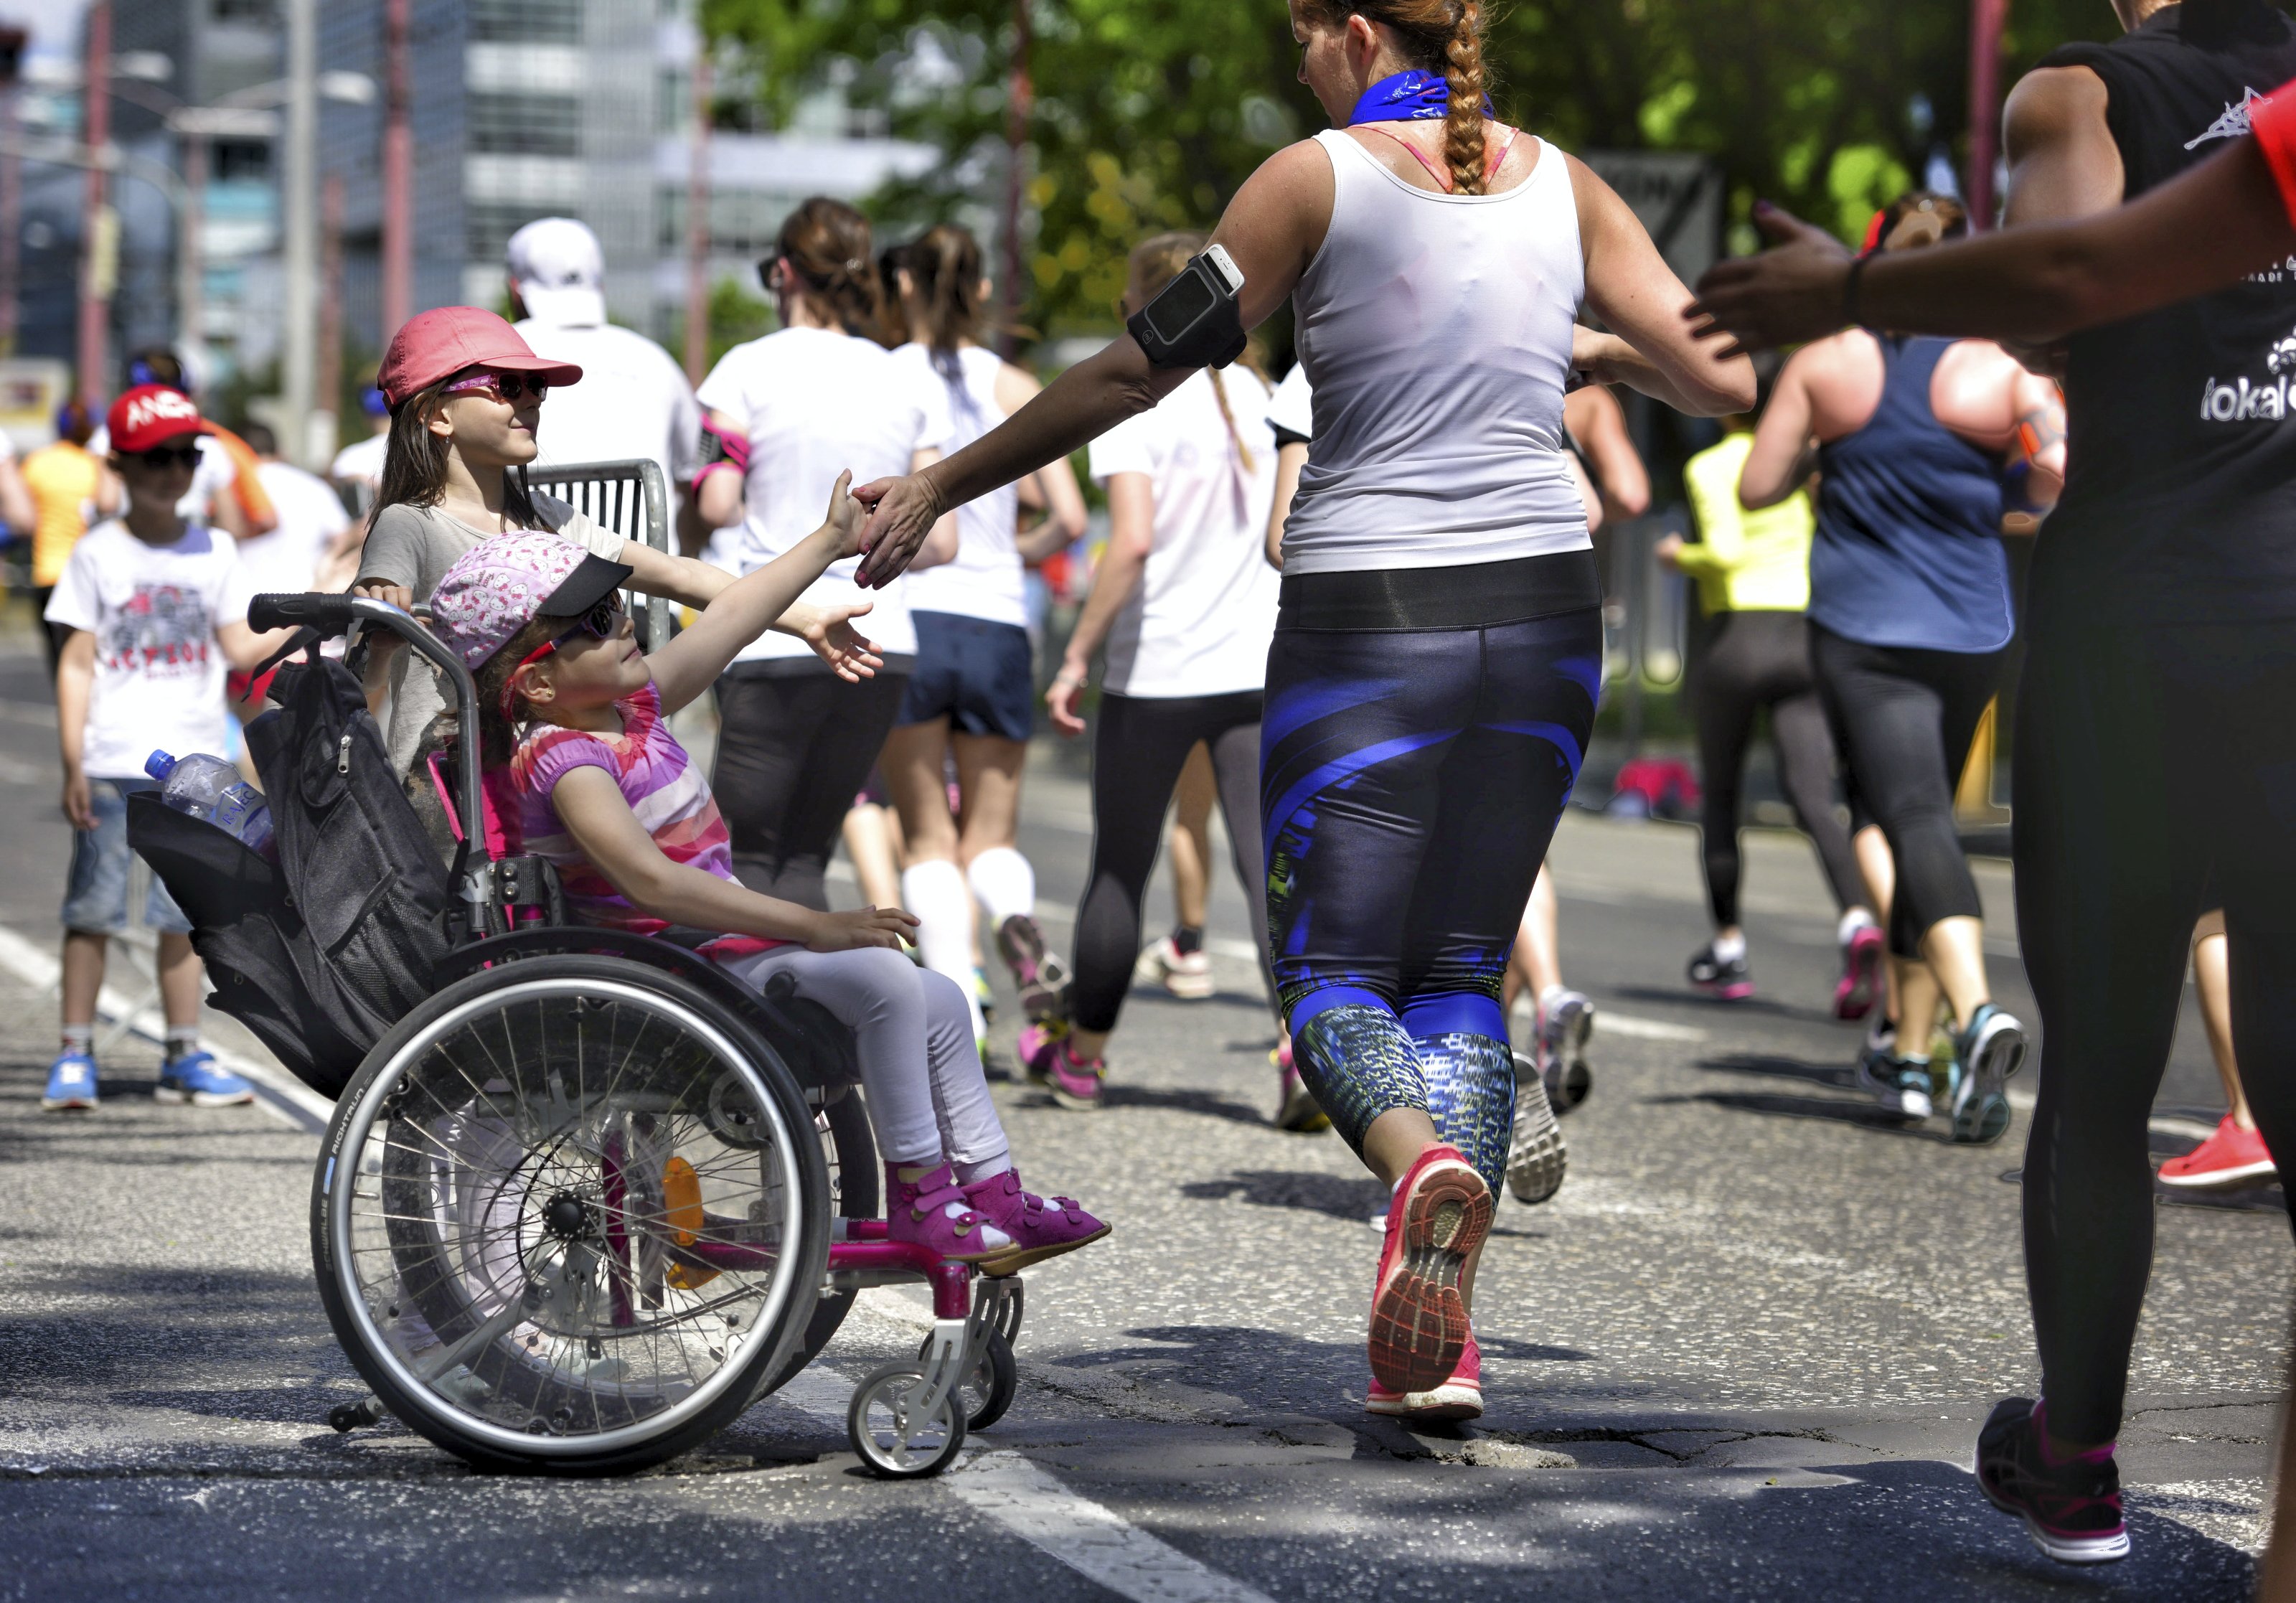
520	108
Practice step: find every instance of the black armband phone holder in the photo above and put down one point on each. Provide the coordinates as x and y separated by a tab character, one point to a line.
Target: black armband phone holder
1197	319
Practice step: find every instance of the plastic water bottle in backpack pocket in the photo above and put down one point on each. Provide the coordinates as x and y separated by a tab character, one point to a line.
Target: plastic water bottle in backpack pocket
210	788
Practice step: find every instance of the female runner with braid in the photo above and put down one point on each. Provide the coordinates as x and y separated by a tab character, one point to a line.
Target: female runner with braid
1433	678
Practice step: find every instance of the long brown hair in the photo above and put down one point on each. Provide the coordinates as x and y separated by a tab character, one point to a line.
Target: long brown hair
827	245
1154	263
1438	35
498	734
944	265
414	460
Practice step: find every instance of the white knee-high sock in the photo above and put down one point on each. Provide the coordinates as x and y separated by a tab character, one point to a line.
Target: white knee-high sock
1001	878
934	891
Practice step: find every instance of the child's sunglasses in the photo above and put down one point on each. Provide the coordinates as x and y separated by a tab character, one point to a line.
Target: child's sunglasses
164	456
599	623
509	388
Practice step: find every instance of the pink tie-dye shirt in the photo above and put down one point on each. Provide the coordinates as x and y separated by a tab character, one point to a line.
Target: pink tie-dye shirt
664	788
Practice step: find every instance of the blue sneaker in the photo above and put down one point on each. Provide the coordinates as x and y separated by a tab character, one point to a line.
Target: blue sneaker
195	1078
71	1084
1990	1050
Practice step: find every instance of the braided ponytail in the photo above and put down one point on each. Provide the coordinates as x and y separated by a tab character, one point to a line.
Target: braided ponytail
1435	35
1462	128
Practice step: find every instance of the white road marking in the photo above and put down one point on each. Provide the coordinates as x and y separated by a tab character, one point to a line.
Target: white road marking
276	1092
1035	1505
1089	1538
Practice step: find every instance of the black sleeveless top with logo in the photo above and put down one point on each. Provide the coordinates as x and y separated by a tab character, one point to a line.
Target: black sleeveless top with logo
2180	493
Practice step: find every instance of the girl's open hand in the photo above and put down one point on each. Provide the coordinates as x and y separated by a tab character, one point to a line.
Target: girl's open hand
868	927
829	629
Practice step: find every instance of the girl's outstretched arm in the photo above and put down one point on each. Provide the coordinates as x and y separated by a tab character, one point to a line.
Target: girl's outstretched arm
596	814
746	608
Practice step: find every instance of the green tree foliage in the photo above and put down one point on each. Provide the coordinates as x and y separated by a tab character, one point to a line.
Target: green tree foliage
1148	114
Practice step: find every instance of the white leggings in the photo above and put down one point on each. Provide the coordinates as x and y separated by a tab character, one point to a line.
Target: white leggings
928	1098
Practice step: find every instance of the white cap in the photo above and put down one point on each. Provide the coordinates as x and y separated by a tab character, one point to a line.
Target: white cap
560	272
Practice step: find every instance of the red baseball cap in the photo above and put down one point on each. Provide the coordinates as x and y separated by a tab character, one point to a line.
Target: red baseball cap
441	342
151	414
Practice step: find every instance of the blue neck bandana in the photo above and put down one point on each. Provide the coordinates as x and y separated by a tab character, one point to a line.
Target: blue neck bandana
1412	96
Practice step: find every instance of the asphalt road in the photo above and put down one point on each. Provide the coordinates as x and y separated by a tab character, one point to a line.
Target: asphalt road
1743	1353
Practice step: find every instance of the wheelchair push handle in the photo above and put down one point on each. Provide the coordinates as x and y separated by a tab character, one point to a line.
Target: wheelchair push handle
329	614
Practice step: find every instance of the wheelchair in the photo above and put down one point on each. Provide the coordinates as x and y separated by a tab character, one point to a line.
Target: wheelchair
590	1200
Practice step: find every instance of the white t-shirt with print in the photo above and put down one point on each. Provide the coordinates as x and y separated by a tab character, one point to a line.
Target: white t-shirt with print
154	611
311	516
817	403
986	579
1202	619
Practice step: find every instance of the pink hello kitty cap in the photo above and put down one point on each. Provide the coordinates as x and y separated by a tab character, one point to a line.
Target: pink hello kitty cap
500	585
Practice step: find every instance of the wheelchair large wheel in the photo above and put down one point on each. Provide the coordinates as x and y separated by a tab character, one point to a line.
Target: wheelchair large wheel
571	1216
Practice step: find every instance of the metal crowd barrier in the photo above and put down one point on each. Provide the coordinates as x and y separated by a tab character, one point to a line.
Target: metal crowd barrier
628	497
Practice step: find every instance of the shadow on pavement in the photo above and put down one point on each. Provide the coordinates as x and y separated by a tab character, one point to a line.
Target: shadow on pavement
1865	1115
1352	1199
1210	1105
1694	1002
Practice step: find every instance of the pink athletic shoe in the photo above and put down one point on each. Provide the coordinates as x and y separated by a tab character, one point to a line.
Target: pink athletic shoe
1861	974
2232	1156
1460	1397
924	1206
1044	1052
1439	1215
1040	1227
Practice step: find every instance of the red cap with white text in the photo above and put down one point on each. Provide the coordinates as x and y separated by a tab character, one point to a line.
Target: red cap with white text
151	414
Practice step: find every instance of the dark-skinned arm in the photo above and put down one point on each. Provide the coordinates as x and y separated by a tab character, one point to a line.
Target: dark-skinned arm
2206	230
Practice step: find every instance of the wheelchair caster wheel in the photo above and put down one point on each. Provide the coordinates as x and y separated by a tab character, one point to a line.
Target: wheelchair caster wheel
348	1417
893	1439
988	1388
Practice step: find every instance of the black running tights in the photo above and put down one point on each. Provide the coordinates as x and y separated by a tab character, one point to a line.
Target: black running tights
1903	721
2149	757
1140	746
793	750
1747	661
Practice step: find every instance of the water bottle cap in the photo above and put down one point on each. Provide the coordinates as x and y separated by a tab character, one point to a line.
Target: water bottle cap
159	765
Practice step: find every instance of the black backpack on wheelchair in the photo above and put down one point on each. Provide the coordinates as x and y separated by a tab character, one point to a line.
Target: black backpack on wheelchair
321	952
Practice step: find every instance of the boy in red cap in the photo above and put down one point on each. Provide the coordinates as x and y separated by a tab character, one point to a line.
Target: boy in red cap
157	608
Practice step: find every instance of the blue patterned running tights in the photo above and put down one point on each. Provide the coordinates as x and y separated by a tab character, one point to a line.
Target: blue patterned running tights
1410	782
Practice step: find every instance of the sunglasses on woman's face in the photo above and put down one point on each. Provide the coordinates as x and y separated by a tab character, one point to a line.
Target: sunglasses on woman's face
163	458
509	388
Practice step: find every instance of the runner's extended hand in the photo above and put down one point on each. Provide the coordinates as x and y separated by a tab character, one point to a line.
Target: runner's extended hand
1782	297
902	513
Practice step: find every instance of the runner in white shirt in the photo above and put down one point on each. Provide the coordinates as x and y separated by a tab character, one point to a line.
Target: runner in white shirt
1185	602
817	398
973	692
638	403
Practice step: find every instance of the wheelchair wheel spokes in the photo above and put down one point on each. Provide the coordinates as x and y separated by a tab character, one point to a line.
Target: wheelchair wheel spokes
549	1242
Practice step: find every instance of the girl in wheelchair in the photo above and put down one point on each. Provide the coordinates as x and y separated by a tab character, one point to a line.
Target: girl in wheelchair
583	771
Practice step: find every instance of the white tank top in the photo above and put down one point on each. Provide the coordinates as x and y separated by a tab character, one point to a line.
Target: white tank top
1436	331
985	580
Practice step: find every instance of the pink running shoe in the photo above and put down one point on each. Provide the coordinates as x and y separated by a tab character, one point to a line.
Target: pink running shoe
1861	974
1460	1397
1041	1228
2233	1156
1440	1212
924	1206
1044	1052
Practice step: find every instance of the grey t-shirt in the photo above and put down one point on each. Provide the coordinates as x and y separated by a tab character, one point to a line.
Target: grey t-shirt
414	547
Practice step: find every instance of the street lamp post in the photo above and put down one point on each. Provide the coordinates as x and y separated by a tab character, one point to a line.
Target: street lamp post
298	208
99	243
397	170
